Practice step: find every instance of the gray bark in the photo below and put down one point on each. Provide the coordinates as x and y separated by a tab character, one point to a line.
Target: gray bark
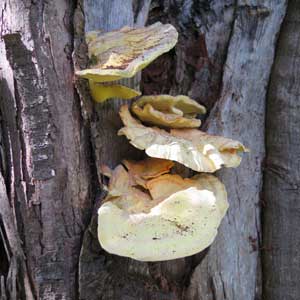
55	138
231	270
282	175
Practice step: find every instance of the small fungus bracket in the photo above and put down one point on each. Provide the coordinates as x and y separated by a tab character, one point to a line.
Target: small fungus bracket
121	54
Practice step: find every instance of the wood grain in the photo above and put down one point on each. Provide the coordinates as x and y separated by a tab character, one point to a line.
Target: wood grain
231	269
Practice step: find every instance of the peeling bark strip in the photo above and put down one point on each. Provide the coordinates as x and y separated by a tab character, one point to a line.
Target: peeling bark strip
281	218
46	149
32	109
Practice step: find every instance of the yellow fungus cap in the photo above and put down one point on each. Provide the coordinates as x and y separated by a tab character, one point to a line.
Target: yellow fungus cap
180	219
122	53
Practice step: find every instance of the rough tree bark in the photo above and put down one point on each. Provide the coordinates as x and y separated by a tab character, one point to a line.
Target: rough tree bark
54	139
47	178
282	177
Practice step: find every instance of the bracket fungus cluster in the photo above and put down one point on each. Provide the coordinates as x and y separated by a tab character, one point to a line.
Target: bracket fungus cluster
151	213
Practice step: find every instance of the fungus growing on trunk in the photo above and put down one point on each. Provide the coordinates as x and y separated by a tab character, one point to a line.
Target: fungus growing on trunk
168	111
121	54
193	148
101	92
148	213
141	171
172	218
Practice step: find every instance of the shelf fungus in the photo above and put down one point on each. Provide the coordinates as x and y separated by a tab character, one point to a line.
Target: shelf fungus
141	171
170	218
168	111
121	54
193	148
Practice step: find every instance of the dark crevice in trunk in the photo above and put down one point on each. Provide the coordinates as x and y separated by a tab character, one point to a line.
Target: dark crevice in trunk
5	154
4	251
205	125
95	190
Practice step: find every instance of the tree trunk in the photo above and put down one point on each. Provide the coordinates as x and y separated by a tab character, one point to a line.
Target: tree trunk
46	152
54	138
282	176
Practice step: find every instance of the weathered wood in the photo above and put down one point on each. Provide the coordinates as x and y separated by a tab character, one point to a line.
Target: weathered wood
195	68
17	275
48	182
229	270
281	218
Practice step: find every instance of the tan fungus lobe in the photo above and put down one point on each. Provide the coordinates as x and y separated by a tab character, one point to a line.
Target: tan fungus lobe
168	111
193	148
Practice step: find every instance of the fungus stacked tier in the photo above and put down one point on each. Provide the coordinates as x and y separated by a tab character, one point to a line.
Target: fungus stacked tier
121	54
150	213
